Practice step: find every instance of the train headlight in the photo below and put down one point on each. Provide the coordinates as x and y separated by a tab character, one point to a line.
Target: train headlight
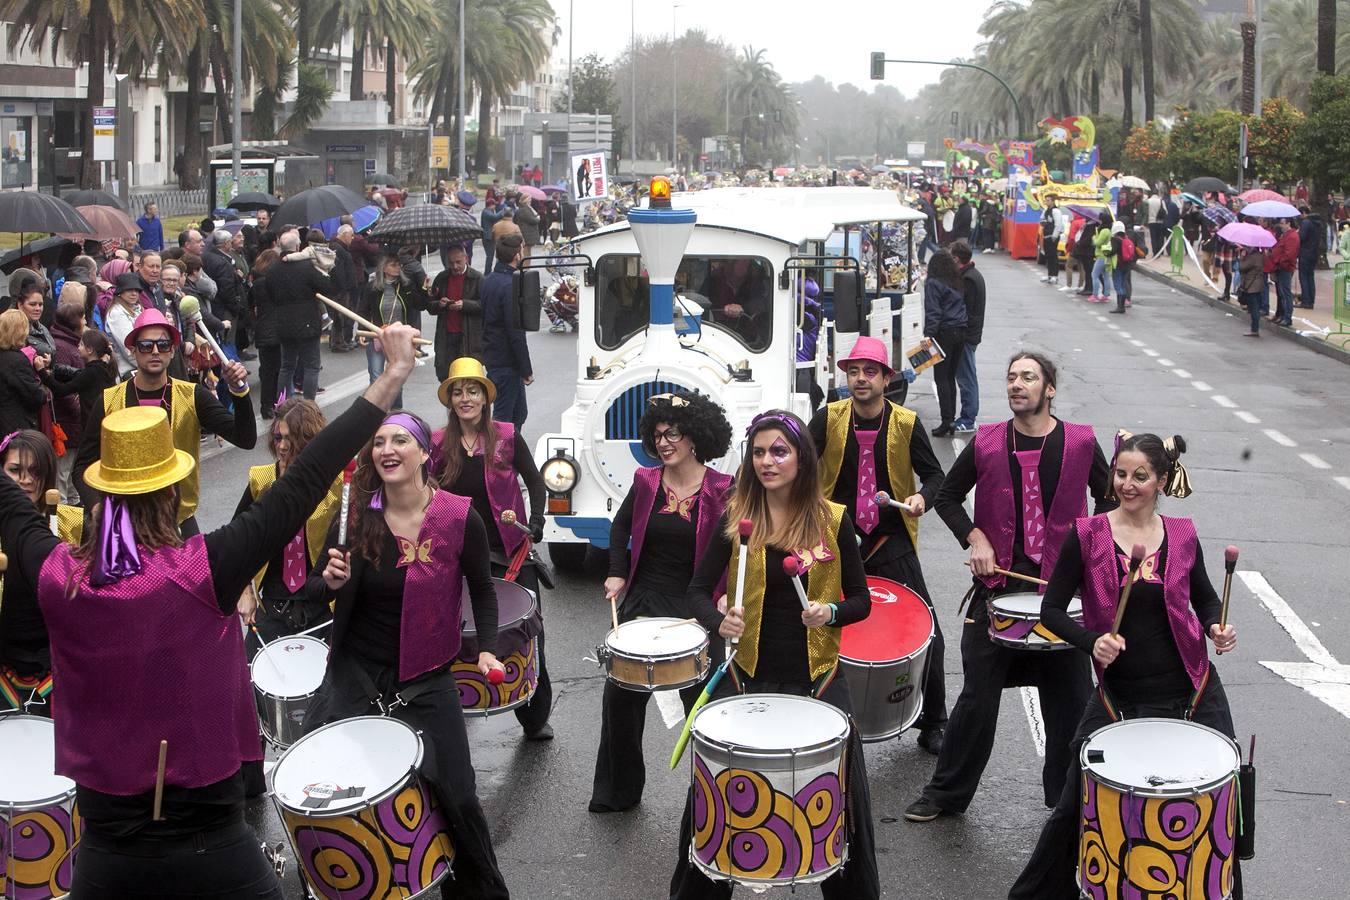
559	474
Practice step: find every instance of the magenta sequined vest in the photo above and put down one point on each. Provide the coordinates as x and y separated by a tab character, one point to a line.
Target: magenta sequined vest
503	487
996	512
433	589
147	658
1102	582
711	503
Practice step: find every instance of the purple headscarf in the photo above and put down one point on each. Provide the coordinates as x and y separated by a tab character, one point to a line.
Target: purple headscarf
410	424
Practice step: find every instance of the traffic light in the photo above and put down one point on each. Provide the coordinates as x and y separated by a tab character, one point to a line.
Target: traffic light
878	65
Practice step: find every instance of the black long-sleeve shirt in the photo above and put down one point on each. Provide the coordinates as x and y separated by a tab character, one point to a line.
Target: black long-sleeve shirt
88	382
1150	667
922	459
782	636
239	428
961	477
471	483
666	566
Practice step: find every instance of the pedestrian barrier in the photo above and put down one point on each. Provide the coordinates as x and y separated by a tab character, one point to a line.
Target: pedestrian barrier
171	202
1341	305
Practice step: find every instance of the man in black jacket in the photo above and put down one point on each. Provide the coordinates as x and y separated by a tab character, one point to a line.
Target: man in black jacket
967	379
455	303
292	284
1311	235
344	287
505	351
228	303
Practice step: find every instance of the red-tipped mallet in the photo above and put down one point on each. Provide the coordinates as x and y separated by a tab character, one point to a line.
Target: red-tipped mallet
744	527
1136	557
1230	558
347	474
496	676
792	569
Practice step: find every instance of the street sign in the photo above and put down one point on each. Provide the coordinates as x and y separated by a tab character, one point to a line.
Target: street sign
105	132
345	148
440	152
370	167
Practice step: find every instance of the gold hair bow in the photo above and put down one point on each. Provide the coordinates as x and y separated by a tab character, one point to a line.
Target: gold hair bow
672	399
1178	482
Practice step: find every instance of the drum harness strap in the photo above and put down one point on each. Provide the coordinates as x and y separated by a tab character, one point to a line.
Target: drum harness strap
12	683
1188	715
404	697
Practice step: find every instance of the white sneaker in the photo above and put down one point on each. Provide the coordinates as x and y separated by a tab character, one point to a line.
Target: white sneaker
1065	287
1046	279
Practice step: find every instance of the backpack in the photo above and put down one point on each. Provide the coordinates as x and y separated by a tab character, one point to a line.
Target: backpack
1126	249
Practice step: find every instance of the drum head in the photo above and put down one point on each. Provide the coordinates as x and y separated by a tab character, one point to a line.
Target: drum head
514	604
1162	756
28	762
1028	605
770	722
899	625
290	667
345	765
656	637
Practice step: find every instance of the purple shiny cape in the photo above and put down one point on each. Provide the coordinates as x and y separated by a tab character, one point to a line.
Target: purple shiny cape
147	658
711	503
1102	582
433	589
996	513
503	488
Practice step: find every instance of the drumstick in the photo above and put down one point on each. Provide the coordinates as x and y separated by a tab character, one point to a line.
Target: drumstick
702	701
791	568
421	342
744	527
52	499
346	504
614	610
677	623
1009	574
1230	558
509	518
342	310
159	781
1136	557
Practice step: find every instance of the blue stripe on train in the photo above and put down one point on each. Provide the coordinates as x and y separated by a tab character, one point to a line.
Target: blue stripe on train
625	411
588	528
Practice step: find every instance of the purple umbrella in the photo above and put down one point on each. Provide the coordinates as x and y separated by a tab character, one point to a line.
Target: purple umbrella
1245	234
1088	212
553	189
1269	209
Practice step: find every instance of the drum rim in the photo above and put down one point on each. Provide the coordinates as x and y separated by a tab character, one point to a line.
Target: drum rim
992	606
368	802
923	648
759	753
468	630
1137	791
655	657
47	802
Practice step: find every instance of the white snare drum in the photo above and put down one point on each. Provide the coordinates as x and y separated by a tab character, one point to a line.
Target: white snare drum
1159	811
361	820
769	776
655	654
39	821
1015	621
286	674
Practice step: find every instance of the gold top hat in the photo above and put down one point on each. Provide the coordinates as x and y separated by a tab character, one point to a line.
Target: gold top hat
466	368
138	455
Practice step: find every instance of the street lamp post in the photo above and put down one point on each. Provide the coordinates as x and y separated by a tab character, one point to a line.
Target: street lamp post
459	126
571	30
674	91
632	66
235	151
879	61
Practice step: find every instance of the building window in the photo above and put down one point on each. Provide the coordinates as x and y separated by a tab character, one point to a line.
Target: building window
16	159
159	134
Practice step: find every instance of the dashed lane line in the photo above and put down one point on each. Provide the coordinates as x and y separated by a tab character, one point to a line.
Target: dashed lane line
1247	417
1148	352
1314	460
1343	481
1135	341
1223	401
1181	373
1202	386
1280	437
1166	362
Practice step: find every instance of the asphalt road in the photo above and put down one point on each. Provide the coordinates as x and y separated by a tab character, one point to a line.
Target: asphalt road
1268	424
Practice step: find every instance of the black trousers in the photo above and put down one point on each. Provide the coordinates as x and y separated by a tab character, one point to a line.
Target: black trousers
224	863
1065	681
269	372
858	879
904	568
534	714
944	373
446	762
1051	873
448	349
1050	247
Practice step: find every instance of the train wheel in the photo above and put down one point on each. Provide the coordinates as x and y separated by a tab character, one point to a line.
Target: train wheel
568	557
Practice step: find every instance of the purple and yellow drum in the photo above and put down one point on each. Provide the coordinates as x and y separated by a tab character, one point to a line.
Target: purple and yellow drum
519	624
1159	812
1015	621
39	821
769	790
361	820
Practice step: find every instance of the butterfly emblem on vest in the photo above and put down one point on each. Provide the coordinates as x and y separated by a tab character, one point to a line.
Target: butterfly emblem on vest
808	558
410	553
1148	569
674	504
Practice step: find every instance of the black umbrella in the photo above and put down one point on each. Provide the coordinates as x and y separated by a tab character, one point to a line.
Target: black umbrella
1207	184
382	178
34	211
41	244
248	202
317	204
94	198
426	223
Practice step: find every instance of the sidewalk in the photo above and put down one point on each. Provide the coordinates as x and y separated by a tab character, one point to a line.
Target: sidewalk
1310	325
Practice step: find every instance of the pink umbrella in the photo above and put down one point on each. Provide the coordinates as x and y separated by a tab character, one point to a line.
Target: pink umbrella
1246	234
1257	194
530	191
108	224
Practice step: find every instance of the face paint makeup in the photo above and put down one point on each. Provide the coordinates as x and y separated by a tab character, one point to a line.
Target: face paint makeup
780	450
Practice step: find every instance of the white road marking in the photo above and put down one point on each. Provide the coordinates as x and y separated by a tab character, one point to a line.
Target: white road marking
959	445
1125	334
1247	417
1314	460
1202	386
1166	362
1343	481
1031	704
1279	437
1322	676
1113	327
1181	373
1136	342
1148	352
672	710
1223	401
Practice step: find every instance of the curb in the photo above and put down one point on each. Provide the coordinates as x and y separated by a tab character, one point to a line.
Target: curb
1320	346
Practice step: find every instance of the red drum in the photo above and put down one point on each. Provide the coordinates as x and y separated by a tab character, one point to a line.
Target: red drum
885	657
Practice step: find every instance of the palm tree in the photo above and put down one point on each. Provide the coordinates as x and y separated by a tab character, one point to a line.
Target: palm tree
1146	52
758	89
99	32
1218	71
1248	68
395	23
268	40
1326	37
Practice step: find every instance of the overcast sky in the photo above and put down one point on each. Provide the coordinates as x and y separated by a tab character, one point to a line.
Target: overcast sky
803	38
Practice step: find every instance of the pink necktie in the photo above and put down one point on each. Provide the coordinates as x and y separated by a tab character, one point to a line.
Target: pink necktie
293	568
867	514
1033	510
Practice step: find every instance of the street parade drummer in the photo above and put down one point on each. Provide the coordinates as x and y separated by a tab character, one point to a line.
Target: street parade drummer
1157	666
1031	476
148	657
852	436
783	648
662	530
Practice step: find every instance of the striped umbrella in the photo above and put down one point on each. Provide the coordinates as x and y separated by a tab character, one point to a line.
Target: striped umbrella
1219	215
426	223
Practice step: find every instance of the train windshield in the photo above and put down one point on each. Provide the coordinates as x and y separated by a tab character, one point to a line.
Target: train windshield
735	294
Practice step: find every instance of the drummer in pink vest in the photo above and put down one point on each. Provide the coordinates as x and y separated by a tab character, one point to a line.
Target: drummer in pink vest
475	457
869	444
1157	666
658	537
148	653
1031	476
